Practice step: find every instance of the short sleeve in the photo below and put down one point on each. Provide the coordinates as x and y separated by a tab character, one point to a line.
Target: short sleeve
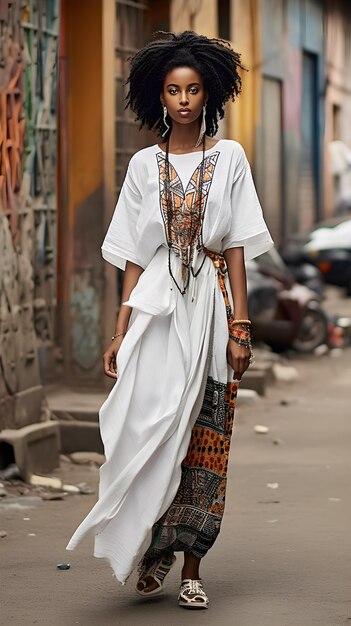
248	228
120	243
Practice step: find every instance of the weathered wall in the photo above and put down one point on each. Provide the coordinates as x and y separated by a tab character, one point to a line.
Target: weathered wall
338	97
244	114
290	124
198	15
28	49
81	212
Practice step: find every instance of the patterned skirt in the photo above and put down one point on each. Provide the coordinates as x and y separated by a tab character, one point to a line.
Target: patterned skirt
192	522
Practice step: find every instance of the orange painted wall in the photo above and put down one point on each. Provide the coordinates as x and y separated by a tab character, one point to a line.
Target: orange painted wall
80	183
84	33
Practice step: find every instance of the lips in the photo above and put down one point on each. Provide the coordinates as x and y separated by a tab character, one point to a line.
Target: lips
184	111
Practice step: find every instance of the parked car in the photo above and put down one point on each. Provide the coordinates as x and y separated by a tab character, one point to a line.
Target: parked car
327	247
284	313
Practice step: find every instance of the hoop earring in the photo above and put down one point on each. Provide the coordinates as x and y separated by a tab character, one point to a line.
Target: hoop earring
203	127
165	121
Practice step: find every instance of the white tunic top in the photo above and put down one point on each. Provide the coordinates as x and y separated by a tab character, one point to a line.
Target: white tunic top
173	341
233	214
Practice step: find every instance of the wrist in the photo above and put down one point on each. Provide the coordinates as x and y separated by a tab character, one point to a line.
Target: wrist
118	334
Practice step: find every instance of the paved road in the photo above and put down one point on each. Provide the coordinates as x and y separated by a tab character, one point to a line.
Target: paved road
282	559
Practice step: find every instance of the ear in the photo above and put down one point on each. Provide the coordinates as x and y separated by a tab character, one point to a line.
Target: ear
162	100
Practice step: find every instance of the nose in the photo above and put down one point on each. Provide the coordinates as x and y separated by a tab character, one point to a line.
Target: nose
183	98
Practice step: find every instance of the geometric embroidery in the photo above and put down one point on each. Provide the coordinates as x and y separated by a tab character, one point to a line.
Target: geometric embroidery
186	224
192	522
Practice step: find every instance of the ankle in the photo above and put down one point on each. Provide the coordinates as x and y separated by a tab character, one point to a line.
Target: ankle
192	574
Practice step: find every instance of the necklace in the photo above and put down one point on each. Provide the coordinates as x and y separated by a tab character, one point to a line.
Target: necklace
192	226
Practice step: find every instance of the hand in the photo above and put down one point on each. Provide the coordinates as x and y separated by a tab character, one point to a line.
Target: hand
238	358
109	358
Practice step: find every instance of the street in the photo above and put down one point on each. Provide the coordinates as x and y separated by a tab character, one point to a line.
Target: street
282	558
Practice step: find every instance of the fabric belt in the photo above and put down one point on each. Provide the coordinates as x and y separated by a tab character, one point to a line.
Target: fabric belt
221	267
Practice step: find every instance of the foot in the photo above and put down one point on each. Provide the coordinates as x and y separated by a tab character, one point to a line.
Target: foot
152	575
192	595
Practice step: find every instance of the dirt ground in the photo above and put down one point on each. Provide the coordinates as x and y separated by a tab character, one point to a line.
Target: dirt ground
282	558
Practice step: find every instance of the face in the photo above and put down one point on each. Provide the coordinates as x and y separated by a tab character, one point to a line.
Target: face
183	94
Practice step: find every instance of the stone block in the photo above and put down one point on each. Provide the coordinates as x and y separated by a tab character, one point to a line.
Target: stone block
36	448
28	406
256	380
79	436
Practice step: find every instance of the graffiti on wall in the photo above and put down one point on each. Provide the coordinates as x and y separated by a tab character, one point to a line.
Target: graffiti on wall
28	54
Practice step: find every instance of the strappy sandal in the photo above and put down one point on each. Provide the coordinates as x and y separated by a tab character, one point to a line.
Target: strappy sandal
156	569
192	595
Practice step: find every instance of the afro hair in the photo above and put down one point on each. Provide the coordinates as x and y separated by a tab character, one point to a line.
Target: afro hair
214	59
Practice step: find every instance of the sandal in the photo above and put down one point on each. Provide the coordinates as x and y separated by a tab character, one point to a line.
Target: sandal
192	595
156	569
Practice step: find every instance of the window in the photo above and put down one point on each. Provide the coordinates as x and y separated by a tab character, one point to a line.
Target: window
224	17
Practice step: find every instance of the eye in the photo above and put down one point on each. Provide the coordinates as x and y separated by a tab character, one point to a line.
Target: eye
194	90
172	91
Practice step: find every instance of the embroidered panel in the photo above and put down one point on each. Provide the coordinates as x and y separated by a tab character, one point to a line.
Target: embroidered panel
187	220
192	522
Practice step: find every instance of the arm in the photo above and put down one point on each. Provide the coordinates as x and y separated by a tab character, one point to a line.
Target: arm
237	355
131	277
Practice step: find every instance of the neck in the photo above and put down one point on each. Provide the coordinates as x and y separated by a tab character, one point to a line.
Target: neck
182	136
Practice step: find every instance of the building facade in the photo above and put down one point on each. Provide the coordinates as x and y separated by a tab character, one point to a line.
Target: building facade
28	80
59	299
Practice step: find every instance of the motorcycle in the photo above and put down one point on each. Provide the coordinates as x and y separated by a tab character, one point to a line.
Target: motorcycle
285	314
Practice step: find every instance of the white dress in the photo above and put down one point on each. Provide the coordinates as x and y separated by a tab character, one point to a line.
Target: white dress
173	354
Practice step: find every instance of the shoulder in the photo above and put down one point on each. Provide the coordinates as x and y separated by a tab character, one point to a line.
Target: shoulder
142	156
234	148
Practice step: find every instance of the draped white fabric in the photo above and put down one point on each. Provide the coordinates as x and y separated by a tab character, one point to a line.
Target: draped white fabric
172	344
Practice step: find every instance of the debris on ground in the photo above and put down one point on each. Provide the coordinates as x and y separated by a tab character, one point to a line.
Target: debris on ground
3	491
53	495
64	458
21	503
3	534
85	489
273	485
46	481
71	488
247	396
63	566
86	458
321	350
11	471
261	430
285	373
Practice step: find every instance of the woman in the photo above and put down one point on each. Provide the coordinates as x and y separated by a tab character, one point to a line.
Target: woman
186	218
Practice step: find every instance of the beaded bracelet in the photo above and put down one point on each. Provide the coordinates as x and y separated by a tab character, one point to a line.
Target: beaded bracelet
118	335
241	333
234	324
241	342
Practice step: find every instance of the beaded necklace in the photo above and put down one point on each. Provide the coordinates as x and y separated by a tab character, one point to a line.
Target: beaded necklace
187	256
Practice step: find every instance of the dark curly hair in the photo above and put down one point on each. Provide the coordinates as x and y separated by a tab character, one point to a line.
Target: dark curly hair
214	59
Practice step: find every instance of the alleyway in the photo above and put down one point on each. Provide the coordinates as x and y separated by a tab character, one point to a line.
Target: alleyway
283	558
